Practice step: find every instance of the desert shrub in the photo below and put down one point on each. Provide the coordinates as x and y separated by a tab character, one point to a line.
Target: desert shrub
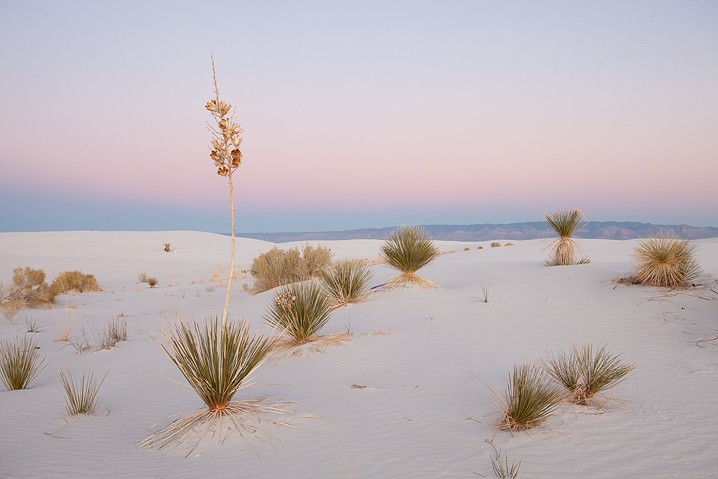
566	224
20	362
495	244
529	399
278	267
585	372
151	280
167	248
215	360
346	281
408	249
667	262
28	289
74	281
80	394
299	310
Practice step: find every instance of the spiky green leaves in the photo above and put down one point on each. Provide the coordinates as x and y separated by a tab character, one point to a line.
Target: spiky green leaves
20	362
565	223
346	281
408	249
529	399
215	360
299	310
80	393
585	372
667	262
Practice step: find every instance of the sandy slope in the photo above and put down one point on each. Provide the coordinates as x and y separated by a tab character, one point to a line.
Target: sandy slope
422	355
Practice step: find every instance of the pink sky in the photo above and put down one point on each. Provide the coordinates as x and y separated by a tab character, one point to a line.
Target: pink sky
361	115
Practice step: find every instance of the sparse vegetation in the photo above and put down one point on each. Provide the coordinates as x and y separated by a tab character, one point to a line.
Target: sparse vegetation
495	244
150	280
20	362
299	310
279	267
27	289
114	332
80	394
408	249
74	281
346	281
33	325
501	468
585	372
485	288
529	399
566	224
666	262
167	248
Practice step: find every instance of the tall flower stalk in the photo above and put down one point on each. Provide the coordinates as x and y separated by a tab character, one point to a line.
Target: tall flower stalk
227	156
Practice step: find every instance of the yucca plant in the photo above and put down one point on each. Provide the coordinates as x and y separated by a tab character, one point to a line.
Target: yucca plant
502	469
346	281
299	310
529	399
585	372
408	249
665	261
80	393
566	224
20	362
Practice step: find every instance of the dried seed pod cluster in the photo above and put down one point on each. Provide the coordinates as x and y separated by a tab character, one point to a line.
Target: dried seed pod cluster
226	138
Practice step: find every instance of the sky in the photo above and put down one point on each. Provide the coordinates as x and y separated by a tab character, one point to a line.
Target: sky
357	114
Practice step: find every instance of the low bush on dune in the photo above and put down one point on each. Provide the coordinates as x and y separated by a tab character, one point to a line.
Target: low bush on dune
20	362
278	267
74	281
299	310
584	372
529	399
346	281
408	249
27	289
666	262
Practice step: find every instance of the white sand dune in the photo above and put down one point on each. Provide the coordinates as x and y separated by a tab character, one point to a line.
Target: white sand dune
425	358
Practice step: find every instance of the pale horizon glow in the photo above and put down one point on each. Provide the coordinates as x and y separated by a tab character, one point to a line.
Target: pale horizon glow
358	115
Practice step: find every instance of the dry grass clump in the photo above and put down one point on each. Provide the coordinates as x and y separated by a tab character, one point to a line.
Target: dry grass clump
666	262
529	399
585	372
299	310
278	267
20	362
346	281
566	224
114	332
151	280
80	394
408	249
501	468
27	289
74	281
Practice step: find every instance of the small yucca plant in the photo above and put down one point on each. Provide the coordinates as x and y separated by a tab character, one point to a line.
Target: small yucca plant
20	362
566	224
80	393
216	360
408	249
529	399
299	310
585	372
346	281
667	262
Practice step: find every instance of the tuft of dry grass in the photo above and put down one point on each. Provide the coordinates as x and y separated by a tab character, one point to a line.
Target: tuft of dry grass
299	310
80	393
115	331
20	362
666	262
408	249
566	224
346	281
585	372
529	399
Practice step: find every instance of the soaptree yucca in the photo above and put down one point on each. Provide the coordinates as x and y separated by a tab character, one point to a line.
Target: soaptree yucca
566	224
346	281
587	371
529	399
665	261
20	362
299	310
408	249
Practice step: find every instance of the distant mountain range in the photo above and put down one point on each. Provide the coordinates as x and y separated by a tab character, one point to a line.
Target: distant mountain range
616	230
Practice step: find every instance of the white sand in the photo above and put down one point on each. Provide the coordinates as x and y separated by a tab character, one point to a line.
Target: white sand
424	412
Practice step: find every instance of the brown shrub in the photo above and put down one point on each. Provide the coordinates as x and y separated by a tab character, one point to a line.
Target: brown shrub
74	281
278	267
